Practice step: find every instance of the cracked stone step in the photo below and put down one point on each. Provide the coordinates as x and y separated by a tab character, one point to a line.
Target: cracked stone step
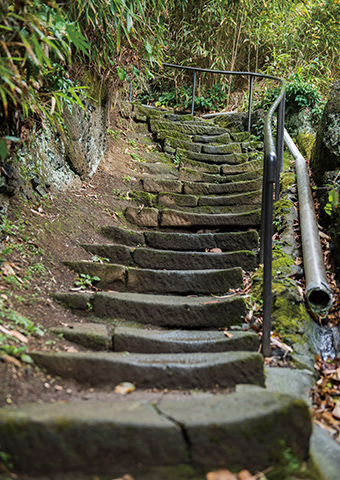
182	341
166	370
178	219
160	310
181	282
144	257
241	430
250	198
191	188
227	241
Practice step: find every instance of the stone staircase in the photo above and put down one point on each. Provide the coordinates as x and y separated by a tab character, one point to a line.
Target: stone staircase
167	292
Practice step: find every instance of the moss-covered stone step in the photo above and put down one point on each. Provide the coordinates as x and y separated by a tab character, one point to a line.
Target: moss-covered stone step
94	336
166	370
237	208
160	310
179	282
153	185
189	128
144	257
178	143
231	158
177	199
218	149
223	138
200	166
178	219
192	188
227	241
182	341
191	175
250	429
247	166
251	198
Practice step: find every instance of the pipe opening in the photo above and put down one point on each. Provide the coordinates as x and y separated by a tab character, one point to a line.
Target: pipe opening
320	301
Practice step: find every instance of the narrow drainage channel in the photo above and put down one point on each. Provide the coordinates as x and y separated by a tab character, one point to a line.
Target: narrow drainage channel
325	340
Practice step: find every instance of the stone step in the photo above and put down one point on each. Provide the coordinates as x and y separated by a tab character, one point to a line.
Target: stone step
251	198
223	138
166	370
144	257
178	219
181	282
227	241
249	166
200	166
213	209
191	188
229	159
153	185
161	310
163	439
182	341
222	149
189	175
177	199
188	128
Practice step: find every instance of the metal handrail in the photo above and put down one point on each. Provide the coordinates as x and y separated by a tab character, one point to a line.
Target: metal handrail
272	167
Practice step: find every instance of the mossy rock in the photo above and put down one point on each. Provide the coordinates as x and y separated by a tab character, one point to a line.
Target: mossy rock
287	179
305	141
146	198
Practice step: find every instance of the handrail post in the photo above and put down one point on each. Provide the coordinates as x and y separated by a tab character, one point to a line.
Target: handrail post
279	145
193	94
267	248
250	101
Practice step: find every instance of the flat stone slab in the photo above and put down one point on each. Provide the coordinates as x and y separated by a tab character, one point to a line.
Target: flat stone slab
249	198
242	167
222	149
231	158
191	188
325	453
182	341
227	241
157	186
146	217
224	138
178	219
297	383
179	370
144	257
173	199
242	177
200	166
189	128
90	335
124	236
243	430
189	175
167	310
238	430
184	282
111	275
89	437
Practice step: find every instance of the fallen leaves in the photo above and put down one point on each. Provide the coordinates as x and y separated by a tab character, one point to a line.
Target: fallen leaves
224	474
213	250
124	388
326	394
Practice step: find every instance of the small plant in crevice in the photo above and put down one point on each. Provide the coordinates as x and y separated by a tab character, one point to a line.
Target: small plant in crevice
333	200
85	281
177	159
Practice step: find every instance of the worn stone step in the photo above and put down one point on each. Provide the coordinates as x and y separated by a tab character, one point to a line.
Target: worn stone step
249	198
223	138
200	166
227	241
173	199
164	439
161	310
249	166
190	175
178	219
189	128
241	177
221	159
182	341
222	149
236	208
153	185
191	188
181	370
144	257
164	171
178	143
94	336
120	278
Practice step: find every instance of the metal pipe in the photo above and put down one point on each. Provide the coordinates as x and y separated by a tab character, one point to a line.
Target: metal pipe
250	100
193	94
318	294
279	144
